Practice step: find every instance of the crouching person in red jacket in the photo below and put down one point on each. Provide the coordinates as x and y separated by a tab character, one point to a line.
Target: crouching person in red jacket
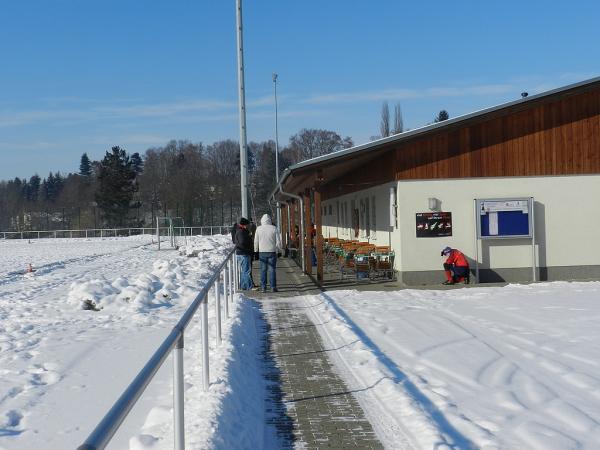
456	266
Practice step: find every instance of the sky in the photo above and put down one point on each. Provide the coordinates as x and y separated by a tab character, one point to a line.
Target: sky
83	76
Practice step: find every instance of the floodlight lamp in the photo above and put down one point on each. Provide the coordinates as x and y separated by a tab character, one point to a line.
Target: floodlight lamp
433	203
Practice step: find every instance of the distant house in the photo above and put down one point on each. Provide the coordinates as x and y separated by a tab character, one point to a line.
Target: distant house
392	191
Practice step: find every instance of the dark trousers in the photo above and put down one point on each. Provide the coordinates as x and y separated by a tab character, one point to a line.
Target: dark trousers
458	272
268	260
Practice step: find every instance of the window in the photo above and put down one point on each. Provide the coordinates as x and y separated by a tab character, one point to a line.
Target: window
367	218
361	220
373	218
337	207
353	223
345	214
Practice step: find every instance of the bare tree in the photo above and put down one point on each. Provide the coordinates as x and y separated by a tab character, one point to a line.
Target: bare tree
310	143
384	126
398	121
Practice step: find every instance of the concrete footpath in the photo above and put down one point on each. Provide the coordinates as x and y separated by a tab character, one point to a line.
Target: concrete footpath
309	404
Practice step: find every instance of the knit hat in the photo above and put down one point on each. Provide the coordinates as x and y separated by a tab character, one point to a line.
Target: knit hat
244	221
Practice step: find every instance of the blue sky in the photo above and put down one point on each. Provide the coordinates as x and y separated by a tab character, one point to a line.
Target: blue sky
82	76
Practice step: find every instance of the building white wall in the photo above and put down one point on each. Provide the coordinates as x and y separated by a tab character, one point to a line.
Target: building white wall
380	234
567	218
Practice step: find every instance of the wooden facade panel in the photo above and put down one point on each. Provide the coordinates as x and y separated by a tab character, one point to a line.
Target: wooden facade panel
561	137
551	139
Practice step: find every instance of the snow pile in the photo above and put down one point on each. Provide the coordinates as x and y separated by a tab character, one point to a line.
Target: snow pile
207	244
161	287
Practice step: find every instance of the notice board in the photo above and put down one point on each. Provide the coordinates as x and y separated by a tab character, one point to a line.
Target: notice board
434	224
499	218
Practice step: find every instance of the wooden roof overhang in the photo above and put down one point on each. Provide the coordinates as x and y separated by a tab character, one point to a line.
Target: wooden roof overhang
324	170
298	179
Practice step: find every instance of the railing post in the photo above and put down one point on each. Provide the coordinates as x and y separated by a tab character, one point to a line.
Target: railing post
158	233
205	372
226	289
217	292
230	278
236	281
178	395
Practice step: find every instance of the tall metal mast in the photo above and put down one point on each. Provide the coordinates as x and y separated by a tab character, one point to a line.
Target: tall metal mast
242	110
277	151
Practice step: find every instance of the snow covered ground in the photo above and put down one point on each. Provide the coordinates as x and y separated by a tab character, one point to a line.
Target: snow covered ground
515	367
62	367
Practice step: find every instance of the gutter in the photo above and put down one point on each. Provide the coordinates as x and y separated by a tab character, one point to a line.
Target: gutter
279	189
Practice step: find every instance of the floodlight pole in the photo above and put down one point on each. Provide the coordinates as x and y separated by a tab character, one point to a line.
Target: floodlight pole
242	111
277	151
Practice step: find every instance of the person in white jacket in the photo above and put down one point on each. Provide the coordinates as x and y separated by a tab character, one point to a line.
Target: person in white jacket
267	243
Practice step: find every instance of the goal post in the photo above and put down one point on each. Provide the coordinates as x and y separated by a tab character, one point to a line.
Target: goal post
173	228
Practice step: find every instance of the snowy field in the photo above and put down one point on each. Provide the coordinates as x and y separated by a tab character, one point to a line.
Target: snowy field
62	367
516	367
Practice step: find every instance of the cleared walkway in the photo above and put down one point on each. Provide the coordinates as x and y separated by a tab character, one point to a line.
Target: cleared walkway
310	405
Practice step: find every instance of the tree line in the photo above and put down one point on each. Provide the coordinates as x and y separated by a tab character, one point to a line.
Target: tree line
196	182
387	129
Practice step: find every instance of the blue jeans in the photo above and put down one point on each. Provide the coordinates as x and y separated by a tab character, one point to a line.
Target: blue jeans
245	274
268	260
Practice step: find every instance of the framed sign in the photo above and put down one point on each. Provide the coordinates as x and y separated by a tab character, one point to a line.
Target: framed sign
504	218
434	224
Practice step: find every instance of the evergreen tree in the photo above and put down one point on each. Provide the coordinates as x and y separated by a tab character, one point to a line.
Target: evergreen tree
85	167
33	188
116	186
442	115
137	163
59	183
50	188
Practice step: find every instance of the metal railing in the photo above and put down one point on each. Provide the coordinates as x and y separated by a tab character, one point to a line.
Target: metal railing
111	232
105	430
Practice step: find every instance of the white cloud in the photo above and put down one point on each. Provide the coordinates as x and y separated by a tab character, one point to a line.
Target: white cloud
70	116
24	146
402	94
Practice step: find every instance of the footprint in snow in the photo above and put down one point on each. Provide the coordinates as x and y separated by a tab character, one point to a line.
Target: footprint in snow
45	374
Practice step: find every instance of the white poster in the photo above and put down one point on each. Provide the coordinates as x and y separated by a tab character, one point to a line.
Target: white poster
493	223
488	206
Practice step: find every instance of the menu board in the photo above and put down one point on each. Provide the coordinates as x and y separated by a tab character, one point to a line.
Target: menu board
434	224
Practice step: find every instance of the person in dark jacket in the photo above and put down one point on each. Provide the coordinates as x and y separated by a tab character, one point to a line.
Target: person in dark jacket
234	229
456	266
244	249
252	230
